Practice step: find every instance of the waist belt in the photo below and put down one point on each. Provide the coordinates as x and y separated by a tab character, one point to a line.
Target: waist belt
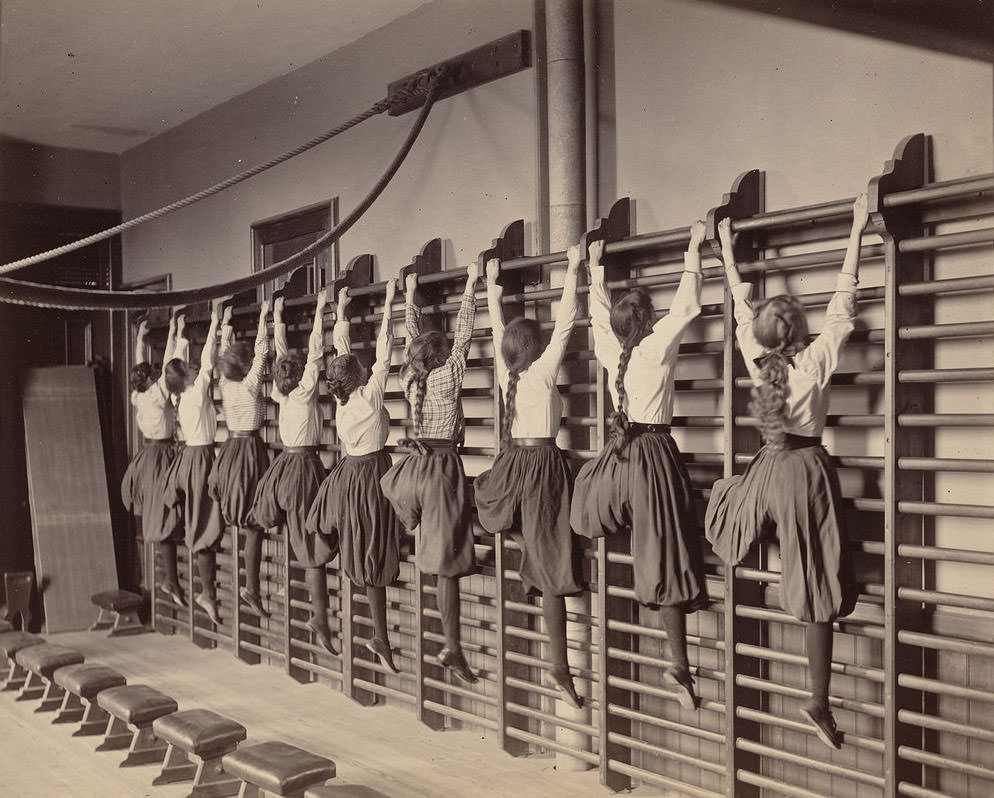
238	433
800	441
637	428
533	441
425	446
157	441
299	449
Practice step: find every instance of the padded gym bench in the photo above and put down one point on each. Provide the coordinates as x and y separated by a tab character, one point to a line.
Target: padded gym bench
82	684
132	710
197	739
41	662
275	768
118	612
10	644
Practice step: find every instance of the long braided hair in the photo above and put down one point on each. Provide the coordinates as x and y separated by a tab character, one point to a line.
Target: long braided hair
344	374
780	326
631	320
426	352
520	347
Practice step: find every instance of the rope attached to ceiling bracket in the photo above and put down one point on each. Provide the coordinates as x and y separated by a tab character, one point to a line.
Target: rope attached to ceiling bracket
426	82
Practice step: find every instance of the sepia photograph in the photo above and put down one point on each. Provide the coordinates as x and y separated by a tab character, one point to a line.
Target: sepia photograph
497	398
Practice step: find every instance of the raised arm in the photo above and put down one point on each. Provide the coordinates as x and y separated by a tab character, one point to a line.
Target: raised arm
606	346
375	387
384	341
565	318
340	339
181	344
822	356
315	349
467	313
279	328
208	357
412	313
495	293
261	347
742	307
140	337
227	333
686	304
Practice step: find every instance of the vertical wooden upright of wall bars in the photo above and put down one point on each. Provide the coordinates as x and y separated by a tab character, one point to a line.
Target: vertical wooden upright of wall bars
909	428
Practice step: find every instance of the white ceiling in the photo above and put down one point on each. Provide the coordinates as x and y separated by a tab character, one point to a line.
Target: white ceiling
107	75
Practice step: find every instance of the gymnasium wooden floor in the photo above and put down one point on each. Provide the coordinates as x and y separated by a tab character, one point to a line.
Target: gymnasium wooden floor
383	749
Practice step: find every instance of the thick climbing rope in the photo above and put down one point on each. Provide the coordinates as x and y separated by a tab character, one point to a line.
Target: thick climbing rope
42	295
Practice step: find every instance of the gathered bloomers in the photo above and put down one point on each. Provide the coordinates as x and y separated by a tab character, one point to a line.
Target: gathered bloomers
527	492
284	496
794	495
429	491
144	470
240	465
358	521
185	494
647	489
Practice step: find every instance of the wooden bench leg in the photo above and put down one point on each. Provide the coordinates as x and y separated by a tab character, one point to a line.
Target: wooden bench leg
72	709
103	621
175	767
211	781
116	736
250	791
94	720
51	699
145	749
127	623
15	677
32	688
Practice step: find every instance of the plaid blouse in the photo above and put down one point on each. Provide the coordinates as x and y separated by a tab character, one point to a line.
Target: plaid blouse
441	415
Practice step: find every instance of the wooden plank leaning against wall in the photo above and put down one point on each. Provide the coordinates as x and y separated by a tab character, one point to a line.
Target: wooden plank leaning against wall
914	680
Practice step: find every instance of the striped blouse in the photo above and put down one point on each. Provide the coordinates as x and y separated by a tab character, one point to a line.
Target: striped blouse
244	408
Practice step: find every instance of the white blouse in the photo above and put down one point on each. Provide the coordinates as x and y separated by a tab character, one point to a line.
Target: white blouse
650	374
300	414
809	375
538	407
362	423
196	413
153	410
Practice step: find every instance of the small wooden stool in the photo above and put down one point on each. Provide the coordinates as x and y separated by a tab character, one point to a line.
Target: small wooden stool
278	769
82	683
10	644
203	737
132	710
118	612
41	662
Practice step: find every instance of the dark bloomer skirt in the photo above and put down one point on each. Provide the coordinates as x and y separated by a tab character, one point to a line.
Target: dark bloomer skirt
186	493
429	490
143	471
792	494
163	520
527	493
351	510
649	491
284	496
240	464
